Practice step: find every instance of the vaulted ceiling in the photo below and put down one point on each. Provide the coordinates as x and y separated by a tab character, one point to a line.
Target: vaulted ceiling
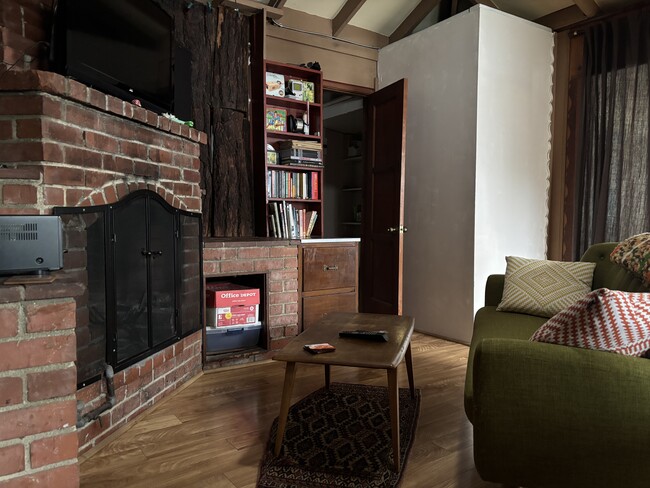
395	19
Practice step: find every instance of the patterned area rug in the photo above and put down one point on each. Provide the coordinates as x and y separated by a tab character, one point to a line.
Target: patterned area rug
340	438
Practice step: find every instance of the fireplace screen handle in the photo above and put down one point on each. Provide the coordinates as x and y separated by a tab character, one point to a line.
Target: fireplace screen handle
150	253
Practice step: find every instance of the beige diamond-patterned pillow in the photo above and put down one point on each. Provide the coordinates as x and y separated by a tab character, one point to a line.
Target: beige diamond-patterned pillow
544	288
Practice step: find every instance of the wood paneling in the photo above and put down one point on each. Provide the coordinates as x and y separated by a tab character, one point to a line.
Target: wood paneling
340	61
558	144
213	433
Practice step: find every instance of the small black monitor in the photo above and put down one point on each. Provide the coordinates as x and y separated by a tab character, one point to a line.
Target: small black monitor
121	47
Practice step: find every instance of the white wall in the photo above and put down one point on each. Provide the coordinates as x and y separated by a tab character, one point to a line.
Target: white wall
513	155
476	158
440	64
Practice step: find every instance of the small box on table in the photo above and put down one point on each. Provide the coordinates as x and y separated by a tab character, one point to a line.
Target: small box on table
229	304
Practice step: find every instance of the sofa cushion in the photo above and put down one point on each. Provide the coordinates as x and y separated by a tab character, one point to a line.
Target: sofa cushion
607	320
634	255
543	288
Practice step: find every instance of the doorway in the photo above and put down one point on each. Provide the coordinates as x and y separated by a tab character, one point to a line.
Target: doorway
343	126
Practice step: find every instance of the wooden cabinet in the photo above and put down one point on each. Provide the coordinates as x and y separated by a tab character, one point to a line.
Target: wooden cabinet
279	185
329	279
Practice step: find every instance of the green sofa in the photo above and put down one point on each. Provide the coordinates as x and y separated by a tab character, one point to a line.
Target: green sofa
546	415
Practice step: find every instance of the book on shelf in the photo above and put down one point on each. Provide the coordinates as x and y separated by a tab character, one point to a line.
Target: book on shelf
292	184
301	162
314	186
288	222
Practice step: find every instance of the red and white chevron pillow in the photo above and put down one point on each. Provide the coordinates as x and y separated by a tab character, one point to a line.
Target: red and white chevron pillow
608	320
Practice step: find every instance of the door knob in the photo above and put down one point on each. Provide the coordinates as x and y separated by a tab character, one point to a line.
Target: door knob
401	229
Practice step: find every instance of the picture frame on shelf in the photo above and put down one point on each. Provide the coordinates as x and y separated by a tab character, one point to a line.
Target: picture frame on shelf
276	119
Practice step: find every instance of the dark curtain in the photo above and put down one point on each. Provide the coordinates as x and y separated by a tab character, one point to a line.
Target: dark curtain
613	197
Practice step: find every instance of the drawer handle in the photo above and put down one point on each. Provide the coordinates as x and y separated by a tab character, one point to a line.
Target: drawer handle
330	268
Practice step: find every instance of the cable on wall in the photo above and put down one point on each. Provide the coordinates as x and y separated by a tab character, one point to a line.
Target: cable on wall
318	34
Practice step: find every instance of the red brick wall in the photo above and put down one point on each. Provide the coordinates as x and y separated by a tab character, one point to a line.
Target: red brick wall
139	387
64	144
38	444
24	33
277	259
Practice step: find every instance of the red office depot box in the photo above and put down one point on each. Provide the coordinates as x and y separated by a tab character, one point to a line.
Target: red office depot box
229	304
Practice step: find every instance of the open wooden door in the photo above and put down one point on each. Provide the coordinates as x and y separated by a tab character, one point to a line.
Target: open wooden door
382	237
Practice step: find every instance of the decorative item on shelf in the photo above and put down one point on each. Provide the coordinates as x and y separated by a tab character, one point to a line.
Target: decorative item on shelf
275	84
308	91
272	157
294	89
311	65
305	121
276	119
295	124
354	148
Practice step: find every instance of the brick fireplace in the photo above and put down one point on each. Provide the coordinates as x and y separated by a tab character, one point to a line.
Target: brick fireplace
63	144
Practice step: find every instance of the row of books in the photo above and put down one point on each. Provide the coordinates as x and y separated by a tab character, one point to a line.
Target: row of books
287	184
288	222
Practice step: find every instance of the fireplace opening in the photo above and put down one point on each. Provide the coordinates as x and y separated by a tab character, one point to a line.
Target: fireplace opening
139	262
238	340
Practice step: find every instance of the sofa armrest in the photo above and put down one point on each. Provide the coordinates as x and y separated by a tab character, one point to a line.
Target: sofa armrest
560	416
494	290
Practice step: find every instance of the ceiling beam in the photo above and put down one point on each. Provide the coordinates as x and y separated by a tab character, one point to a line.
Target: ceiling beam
414	18
344	16
562	18
251	7
588	7
488	3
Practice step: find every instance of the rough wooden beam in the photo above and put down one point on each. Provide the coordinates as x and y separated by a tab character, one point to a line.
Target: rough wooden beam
414	18
588	7
562	18
251	7
344	16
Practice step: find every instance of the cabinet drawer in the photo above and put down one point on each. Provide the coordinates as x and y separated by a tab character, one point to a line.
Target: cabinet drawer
325	268
313	308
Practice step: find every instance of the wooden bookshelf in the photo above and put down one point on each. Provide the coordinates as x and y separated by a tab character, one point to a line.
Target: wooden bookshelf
262	137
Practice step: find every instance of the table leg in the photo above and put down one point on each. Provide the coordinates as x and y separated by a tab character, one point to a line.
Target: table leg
289	377
327	376
409	370
393	398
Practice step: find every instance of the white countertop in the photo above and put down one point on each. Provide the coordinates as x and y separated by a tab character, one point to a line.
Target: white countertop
318	240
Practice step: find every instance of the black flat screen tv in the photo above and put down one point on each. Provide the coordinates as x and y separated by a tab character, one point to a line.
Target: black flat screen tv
120	47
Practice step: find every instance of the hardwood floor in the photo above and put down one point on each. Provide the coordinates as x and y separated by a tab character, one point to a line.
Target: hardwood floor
212	433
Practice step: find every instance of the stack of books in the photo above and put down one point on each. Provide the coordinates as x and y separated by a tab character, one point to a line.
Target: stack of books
288	222
300	153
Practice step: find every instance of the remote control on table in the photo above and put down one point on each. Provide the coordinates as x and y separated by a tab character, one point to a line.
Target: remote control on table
371	335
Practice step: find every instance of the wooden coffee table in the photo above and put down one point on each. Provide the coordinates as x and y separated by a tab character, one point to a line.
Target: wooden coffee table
358	353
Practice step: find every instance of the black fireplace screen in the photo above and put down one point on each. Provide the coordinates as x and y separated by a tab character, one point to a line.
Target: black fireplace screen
139	264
